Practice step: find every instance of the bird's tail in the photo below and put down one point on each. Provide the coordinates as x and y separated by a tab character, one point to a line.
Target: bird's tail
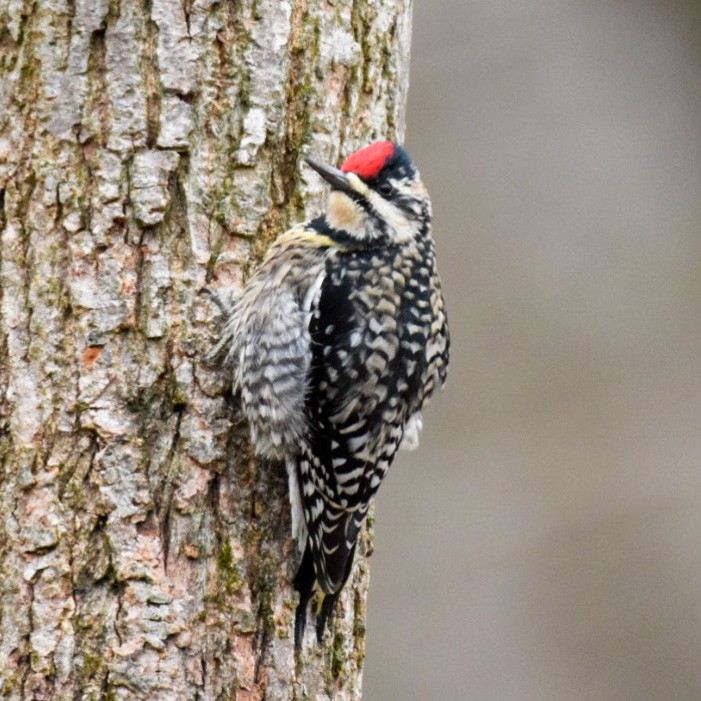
327	560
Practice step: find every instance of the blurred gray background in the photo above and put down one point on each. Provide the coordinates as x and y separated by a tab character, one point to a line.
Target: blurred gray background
544	543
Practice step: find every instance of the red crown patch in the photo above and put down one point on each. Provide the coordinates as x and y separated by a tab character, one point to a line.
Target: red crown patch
368	161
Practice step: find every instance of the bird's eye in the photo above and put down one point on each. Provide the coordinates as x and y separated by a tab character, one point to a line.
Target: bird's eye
385	189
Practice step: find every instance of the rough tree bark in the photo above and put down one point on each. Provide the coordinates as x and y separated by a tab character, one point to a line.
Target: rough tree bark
149	149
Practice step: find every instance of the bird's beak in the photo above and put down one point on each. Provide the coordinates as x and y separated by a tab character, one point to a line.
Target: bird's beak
336	178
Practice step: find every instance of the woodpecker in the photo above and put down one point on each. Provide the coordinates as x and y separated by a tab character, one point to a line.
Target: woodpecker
337	343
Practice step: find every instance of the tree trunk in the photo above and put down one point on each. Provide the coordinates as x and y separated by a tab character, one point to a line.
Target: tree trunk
149	150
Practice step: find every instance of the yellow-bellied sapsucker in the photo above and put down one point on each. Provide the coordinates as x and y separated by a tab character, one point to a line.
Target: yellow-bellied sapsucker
338	341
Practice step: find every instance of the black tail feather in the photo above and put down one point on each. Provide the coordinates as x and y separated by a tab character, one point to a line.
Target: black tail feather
304	584
330	599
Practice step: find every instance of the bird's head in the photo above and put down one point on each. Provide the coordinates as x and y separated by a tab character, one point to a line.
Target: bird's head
378	197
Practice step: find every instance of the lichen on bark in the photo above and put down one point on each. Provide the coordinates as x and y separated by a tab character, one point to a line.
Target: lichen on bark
150	149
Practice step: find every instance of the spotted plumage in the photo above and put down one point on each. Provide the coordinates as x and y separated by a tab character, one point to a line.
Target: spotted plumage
338	341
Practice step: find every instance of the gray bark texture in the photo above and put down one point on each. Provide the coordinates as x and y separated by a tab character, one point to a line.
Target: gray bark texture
150	149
